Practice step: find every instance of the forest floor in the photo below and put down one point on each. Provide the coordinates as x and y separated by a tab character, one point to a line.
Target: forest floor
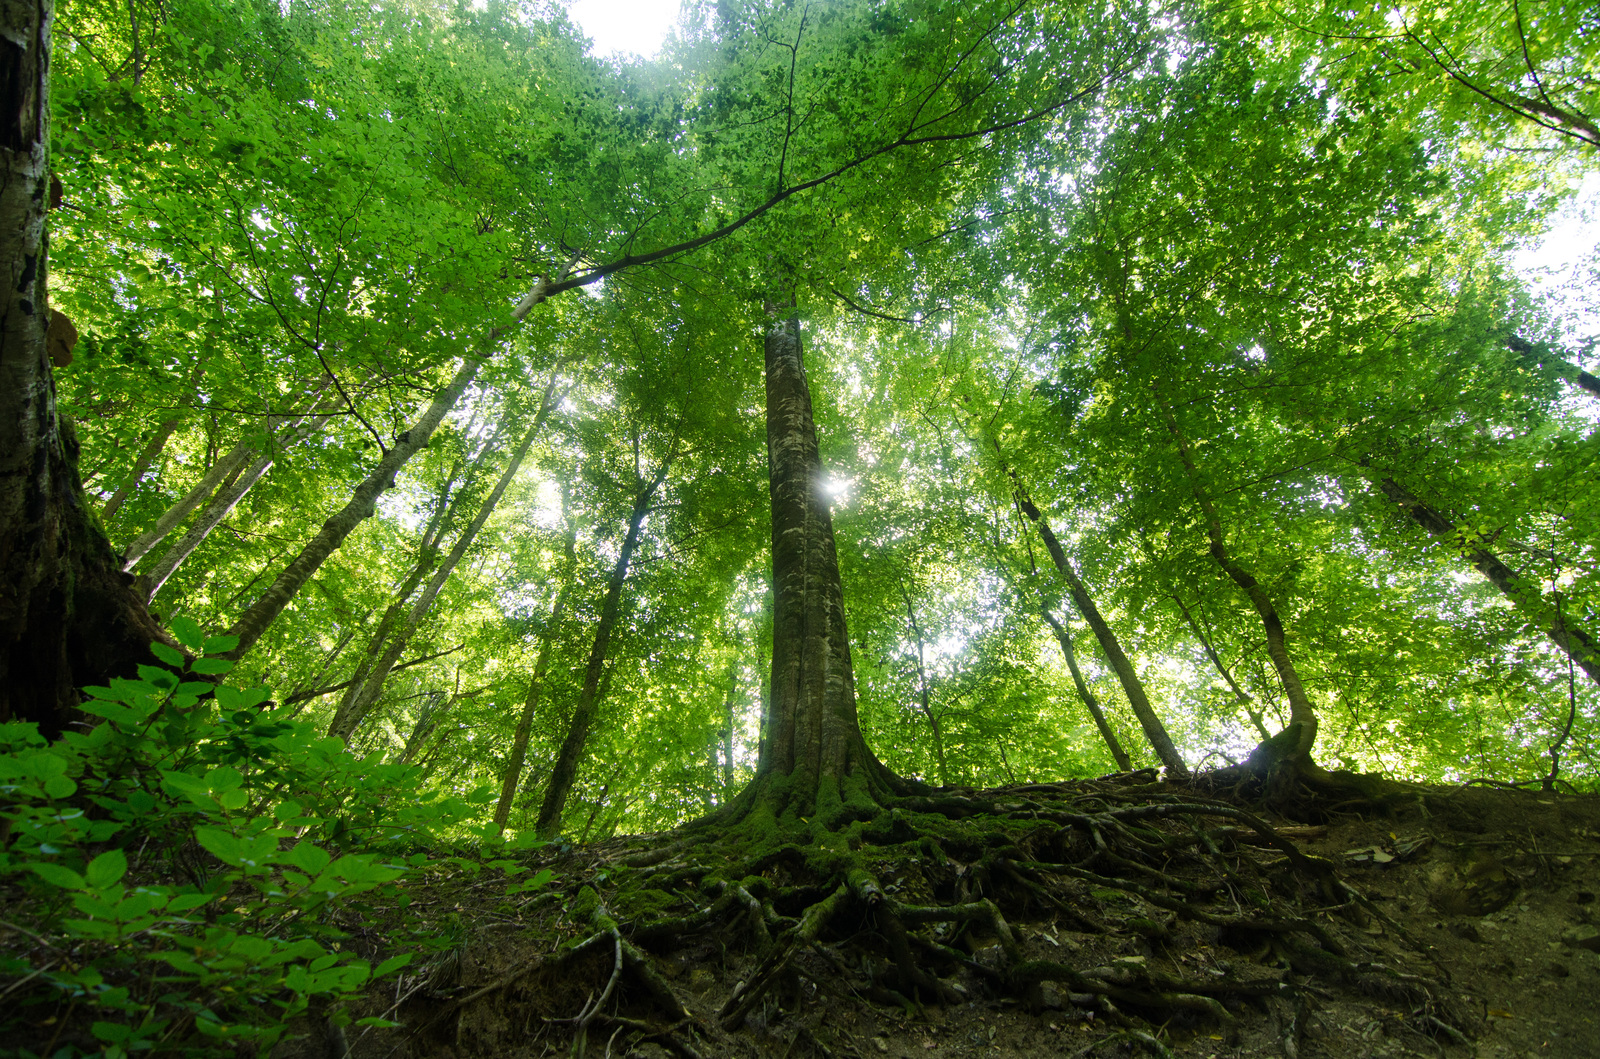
1486	895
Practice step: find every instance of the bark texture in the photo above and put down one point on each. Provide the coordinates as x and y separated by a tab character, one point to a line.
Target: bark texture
814	762
1154	731
1090	703
141	467
1525	595
67	615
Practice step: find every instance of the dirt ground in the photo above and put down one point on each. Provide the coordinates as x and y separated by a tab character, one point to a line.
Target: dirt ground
1489	892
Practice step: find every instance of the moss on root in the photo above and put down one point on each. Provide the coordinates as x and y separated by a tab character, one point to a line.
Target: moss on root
943	897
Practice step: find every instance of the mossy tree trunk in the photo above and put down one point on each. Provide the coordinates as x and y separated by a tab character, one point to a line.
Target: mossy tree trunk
68	616
814	762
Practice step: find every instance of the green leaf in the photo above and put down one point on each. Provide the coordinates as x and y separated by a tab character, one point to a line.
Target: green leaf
216	645
187	631
210	666
59	786
167	654
308	856
107	868
392	964
56	875
221	845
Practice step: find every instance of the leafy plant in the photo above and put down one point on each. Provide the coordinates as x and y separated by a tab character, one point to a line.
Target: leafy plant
174	874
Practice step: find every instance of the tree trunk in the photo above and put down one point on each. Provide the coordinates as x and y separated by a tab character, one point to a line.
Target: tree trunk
530	706
255	621
1154	730
141	466
221	507
1240	695
814	763
1524	594
359	702
1113	744
261	614
565	772
924	692
1559	366
728	702
1292	745
208	484
68	617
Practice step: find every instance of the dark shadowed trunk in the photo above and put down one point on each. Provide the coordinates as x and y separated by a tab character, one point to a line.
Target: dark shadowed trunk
565	772
814	762
68	617
1154	730
530	706
1541	356
1292	745
925	691
1090	703
1523	593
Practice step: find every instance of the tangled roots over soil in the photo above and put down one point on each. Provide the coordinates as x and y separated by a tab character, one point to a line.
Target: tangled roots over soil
1139	907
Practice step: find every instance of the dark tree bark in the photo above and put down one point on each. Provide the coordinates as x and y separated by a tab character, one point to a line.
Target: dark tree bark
1525	595
570	757
1293	745
68	617
814	762
1090	703
1154	731
1562	368
530	706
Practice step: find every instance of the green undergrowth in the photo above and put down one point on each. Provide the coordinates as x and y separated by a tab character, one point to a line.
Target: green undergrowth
190	875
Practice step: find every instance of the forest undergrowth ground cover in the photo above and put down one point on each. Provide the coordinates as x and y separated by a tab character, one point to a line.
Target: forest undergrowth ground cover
1113	917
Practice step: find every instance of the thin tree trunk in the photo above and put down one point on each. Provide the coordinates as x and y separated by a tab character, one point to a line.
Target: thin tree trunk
1524	594
141	466
1154	730
728	701
565	772
221	507
925	695
530	706
1240	695
67	615
360	702
1561	367
1302	714
208	484
1090	703
261	614
255	621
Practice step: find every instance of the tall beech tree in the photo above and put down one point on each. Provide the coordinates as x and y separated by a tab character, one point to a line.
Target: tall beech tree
68	616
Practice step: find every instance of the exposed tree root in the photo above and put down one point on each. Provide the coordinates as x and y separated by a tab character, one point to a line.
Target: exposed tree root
1103	898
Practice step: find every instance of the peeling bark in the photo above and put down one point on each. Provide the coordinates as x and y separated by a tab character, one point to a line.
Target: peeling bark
68	617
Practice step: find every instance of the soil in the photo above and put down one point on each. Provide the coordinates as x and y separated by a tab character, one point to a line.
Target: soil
1476	938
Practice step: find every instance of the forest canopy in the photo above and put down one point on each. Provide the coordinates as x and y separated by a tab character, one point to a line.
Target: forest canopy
1206	291
423	436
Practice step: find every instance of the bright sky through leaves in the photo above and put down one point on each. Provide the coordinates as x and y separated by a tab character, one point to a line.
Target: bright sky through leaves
625	27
